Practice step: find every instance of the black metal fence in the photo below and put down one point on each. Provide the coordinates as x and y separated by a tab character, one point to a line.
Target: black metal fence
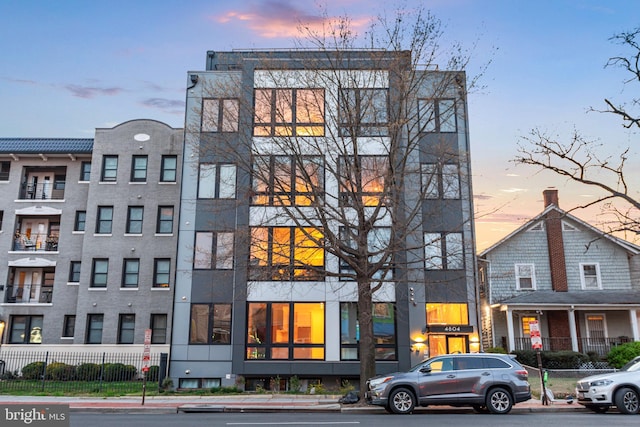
71	372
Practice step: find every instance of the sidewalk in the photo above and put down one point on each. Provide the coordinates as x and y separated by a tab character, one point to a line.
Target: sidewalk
245	403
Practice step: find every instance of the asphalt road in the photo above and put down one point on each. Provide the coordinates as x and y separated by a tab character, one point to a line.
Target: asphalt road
352	420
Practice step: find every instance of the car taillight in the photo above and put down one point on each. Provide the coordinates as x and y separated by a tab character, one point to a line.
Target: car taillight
522	373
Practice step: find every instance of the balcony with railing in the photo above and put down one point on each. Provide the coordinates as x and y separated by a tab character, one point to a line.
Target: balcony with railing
28	294
35	242
43	183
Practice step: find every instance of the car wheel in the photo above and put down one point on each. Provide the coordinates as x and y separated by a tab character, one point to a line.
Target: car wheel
627	401
401	401
499	401
597	409
480	409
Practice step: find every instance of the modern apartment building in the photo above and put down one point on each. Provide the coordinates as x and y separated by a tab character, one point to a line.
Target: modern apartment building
89	232
282	150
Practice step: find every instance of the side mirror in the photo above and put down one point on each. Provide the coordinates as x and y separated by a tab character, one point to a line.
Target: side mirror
425	369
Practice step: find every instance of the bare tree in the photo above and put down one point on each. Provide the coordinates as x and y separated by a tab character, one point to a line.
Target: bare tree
589	162
336	163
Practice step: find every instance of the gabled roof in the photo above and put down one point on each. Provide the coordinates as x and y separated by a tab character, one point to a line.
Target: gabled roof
575	298
628	246
46	145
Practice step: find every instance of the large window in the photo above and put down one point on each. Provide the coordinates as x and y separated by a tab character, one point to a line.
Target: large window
26	330
285	331
443	251
384	331
158	328
104	222
161	272
85	171
210	324
95	323
289	112
286	253
447	314
130	273
217	181
109	169
364	112
590	276
213	250
440	181
74	272
135	214
139	169
126	328
525	276
378	240
437	115
165	220
169	169
287	180
99	273
362	180
220	115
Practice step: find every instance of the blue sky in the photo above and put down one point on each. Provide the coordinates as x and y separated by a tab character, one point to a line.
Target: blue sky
69	67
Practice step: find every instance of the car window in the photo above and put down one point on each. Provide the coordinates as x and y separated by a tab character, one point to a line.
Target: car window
463	363
493	362
441	365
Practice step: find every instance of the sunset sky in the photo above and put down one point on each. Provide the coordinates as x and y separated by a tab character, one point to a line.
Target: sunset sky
70	66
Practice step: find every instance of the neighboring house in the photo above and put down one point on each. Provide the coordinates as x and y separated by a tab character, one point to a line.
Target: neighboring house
580	284
88	229
250	313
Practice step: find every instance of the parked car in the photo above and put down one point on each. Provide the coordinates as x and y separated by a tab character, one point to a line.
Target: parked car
620	388
487	382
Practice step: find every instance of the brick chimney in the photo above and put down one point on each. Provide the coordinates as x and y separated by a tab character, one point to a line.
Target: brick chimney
555	242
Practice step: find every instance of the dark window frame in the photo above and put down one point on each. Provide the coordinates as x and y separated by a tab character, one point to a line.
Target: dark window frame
225	116
135	224
126	328
218	331
157	274
268	192
158	332
80	222
109	171
163	222
5	170
128	275
139	173
102	222
167	173
99	274
85	171
275	123
94	320
353	112
349	343
27	331
74	271
69	326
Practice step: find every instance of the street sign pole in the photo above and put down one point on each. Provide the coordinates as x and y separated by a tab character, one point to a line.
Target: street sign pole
536	344
146	359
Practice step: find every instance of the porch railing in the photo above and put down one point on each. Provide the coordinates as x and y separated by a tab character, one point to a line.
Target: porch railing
600	346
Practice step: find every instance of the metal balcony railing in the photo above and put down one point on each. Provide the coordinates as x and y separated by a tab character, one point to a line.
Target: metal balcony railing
42	191
40	242
28	294
600	346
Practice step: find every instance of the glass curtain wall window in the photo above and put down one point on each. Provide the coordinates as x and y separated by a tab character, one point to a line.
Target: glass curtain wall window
210	324
220	115
437	115
287	180
363	112
285	331
289	112
384	331
213	250
443	251
440	181
378	241
217	181
362	180
286	253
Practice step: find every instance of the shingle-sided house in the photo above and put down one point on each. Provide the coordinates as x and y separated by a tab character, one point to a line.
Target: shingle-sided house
581	285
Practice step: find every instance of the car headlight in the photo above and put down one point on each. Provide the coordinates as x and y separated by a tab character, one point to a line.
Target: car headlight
376	382
600	383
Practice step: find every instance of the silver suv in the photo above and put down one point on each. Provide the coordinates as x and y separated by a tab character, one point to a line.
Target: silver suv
621	388
488	382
